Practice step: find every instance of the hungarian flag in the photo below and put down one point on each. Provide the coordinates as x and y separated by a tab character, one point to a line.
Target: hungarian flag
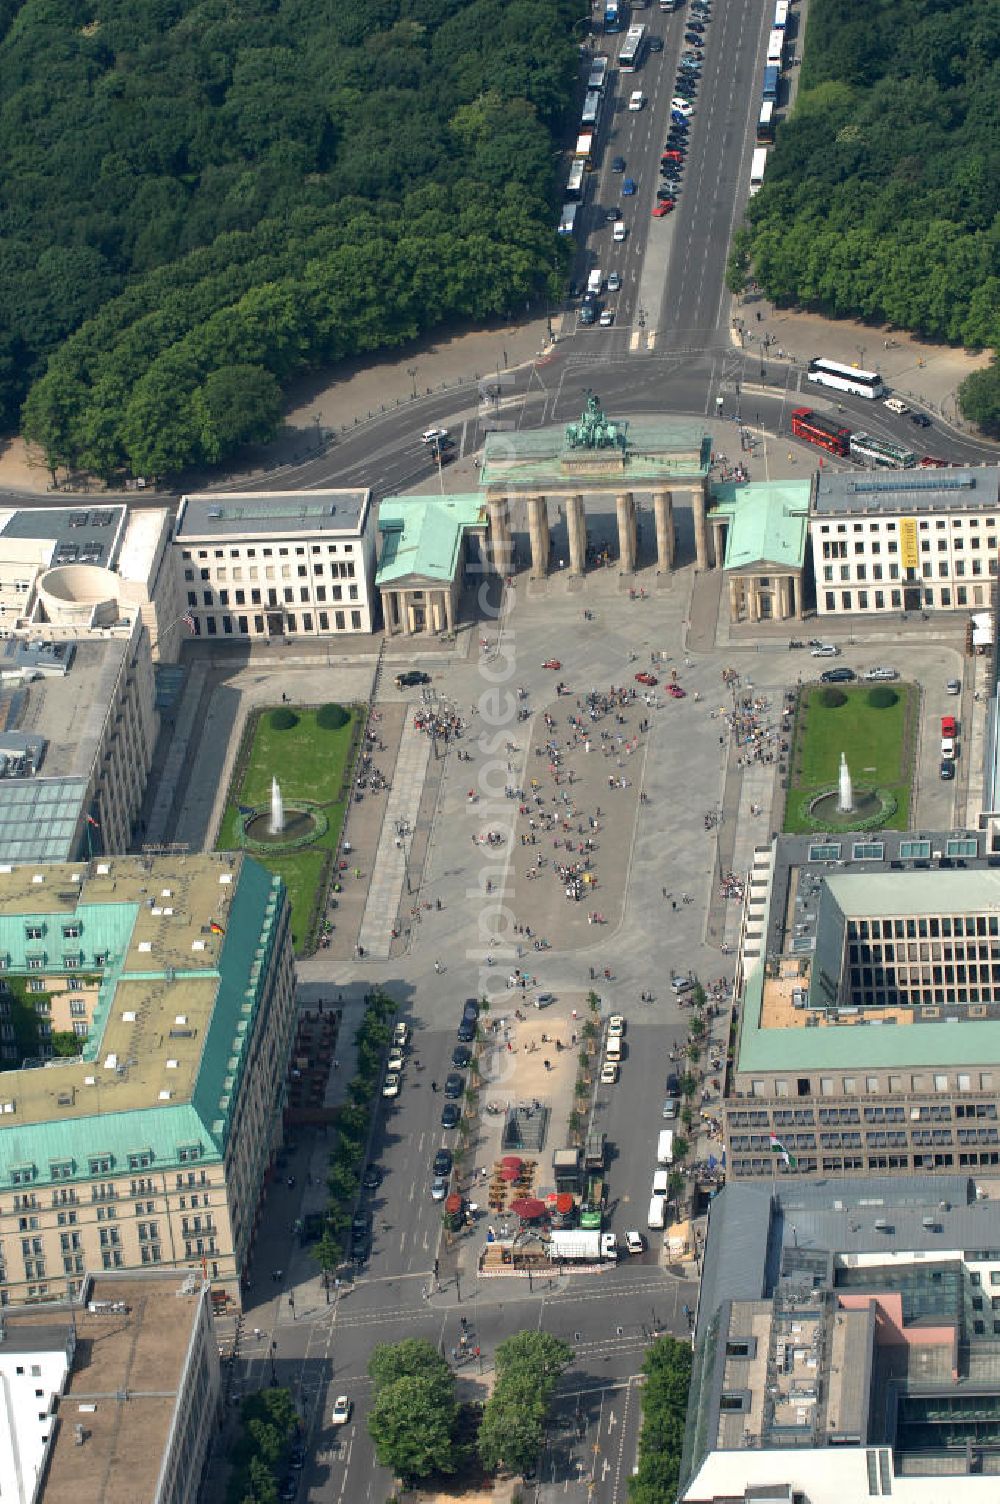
93	822
777	1147
216	928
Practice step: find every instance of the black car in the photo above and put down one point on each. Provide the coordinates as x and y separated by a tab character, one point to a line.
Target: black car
411	677
442	1162
690	37
466	1031
947	770
372	1178
673	1085
451	1115
588	313
617	164
655	44
837	676
461	1057
697	27
666	192
360	1236
470	1008
454	1085
920	419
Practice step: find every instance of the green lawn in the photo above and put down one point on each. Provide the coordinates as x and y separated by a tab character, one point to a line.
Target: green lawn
874	741
309	764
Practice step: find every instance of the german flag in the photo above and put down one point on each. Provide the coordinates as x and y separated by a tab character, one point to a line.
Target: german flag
216	928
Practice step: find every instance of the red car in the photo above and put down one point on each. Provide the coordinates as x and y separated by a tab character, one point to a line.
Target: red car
552	663
676	691
660	210
647	679
672	156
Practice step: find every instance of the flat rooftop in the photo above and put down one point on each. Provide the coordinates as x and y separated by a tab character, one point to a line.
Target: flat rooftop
972	489
790	1018
656	450
122	1389
175	1001
68	710
80	535
270	514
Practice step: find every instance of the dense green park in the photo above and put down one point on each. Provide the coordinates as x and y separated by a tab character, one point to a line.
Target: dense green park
313	764
882	194
201	202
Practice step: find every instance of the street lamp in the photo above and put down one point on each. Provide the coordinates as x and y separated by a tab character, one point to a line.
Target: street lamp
274	1372
411	371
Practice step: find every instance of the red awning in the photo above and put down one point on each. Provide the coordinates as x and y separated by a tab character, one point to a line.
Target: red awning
528	1208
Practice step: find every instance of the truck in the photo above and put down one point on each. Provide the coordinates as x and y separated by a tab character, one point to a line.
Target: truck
657	1213
665	1147
583	1246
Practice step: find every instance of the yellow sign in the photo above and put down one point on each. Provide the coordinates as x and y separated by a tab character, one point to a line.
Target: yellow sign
908	542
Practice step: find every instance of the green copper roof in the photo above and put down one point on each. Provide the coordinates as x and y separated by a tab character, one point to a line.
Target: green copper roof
177	1015
655	451
768	522
422	535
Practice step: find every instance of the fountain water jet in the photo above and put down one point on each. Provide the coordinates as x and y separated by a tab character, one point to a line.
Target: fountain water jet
845	803
277	823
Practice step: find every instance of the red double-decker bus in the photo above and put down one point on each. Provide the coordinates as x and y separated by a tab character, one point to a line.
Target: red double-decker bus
817	430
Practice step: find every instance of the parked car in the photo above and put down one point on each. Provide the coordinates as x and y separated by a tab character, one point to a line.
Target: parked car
461	1057
874	675
410	678
451	1115
837	676
662	209
616	1026
454	1085
401	1035
442	1162
609	1073
825	650
947	770
390	1086
954	686
545	1000
372	1178
673	1084
396	1059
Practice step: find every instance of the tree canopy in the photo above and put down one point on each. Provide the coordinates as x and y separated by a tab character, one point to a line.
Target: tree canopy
528	1366
667	1366
201	202
412	1420
882	194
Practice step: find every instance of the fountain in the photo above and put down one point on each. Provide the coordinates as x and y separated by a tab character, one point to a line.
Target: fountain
845	804
277	824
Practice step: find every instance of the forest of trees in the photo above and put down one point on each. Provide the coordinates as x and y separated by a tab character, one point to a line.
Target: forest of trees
200	201
882	194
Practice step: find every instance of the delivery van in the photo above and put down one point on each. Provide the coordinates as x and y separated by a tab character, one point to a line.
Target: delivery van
665	1147
657	1211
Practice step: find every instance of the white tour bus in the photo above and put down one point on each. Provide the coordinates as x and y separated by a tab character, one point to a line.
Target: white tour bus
845	378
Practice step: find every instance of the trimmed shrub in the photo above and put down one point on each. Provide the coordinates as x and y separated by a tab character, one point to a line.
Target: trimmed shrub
832	697
882	697
283	719
331	717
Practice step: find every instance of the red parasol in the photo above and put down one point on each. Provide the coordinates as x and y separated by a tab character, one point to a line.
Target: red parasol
509	1172
564	1203
528	1208
453	1204
511	1160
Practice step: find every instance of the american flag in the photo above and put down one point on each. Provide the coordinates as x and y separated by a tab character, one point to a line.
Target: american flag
188	621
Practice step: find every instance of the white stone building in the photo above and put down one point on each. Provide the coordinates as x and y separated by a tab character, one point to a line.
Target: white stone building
276	563
913	540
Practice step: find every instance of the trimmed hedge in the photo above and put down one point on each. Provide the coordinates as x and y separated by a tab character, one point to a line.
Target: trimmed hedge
882	697
331	716
283	719
832	697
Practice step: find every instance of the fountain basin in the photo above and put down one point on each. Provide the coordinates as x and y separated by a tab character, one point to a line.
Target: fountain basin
303	824
872	807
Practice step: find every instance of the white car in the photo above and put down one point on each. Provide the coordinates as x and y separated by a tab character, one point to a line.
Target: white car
342	1408
390	1086
635	1242
607	318
616	1026
609	1073
620	231
896	405
826	650
396	1060
433	435
874	675
682	106
637	101
614	282
400	1035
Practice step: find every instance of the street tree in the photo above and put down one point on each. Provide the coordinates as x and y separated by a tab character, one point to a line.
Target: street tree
412	1423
